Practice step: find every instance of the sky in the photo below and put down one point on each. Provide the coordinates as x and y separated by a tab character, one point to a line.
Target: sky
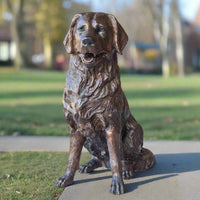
188	8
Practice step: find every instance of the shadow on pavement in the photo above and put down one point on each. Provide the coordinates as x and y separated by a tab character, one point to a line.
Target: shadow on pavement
173	164
167	166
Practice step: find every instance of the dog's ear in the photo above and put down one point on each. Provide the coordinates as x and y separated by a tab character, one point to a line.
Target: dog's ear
68	41
120	37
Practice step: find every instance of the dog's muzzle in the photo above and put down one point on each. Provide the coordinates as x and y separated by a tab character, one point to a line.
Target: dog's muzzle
87	58
90	58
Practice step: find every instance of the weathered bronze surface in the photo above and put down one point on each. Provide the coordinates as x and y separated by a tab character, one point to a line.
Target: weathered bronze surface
95	106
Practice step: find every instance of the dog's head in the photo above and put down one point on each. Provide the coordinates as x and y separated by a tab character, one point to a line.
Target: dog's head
92	35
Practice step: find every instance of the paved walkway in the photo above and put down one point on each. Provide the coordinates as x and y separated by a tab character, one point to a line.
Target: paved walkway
176	176
34	143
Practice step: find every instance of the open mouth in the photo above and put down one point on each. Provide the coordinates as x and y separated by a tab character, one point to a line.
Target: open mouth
89	58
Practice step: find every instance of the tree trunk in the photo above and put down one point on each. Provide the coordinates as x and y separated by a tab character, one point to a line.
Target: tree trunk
161	29
133	51
19	61
165	64
16	27
164	41
179	39
179	50
47	51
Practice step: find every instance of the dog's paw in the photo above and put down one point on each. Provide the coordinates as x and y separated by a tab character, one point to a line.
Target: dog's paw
63	181
127	174
117	185
85	168
90	166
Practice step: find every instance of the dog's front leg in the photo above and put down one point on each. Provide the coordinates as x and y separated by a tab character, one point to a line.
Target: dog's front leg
113	141
76	145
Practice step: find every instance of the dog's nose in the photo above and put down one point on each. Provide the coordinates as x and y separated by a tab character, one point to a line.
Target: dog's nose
87	42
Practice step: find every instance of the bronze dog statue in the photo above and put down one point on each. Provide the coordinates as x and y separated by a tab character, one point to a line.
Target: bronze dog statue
95	106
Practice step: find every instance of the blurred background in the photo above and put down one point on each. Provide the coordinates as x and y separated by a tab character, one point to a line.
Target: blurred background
164	35
164	41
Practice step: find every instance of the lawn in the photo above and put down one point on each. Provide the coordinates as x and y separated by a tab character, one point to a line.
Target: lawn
31	104
31	175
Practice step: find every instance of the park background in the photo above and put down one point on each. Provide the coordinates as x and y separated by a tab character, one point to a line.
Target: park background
160	76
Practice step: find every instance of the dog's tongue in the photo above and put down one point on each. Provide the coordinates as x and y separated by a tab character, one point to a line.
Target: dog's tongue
88	56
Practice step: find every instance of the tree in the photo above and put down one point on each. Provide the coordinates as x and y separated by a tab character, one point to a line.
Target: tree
52	19
16	28
178	37
2	10
160	10
50	24
137	21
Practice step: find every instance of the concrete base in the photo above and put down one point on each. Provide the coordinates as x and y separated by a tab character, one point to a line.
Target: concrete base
176	176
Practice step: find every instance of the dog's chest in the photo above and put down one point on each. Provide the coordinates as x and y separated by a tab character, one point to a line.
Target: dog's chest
83	103
88	97
87	93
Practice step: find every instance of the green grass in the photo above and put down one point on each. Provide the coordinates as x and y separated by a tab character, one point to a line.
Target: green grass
31	175
31	104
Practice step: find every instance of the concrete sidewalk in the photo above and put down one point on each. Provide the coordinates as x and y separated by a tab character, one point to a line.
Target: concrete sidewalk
34	143
176	176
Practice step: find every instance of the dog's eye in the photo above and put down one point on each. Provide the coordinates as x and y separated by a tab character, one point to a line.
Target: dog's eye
100	29
81	28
